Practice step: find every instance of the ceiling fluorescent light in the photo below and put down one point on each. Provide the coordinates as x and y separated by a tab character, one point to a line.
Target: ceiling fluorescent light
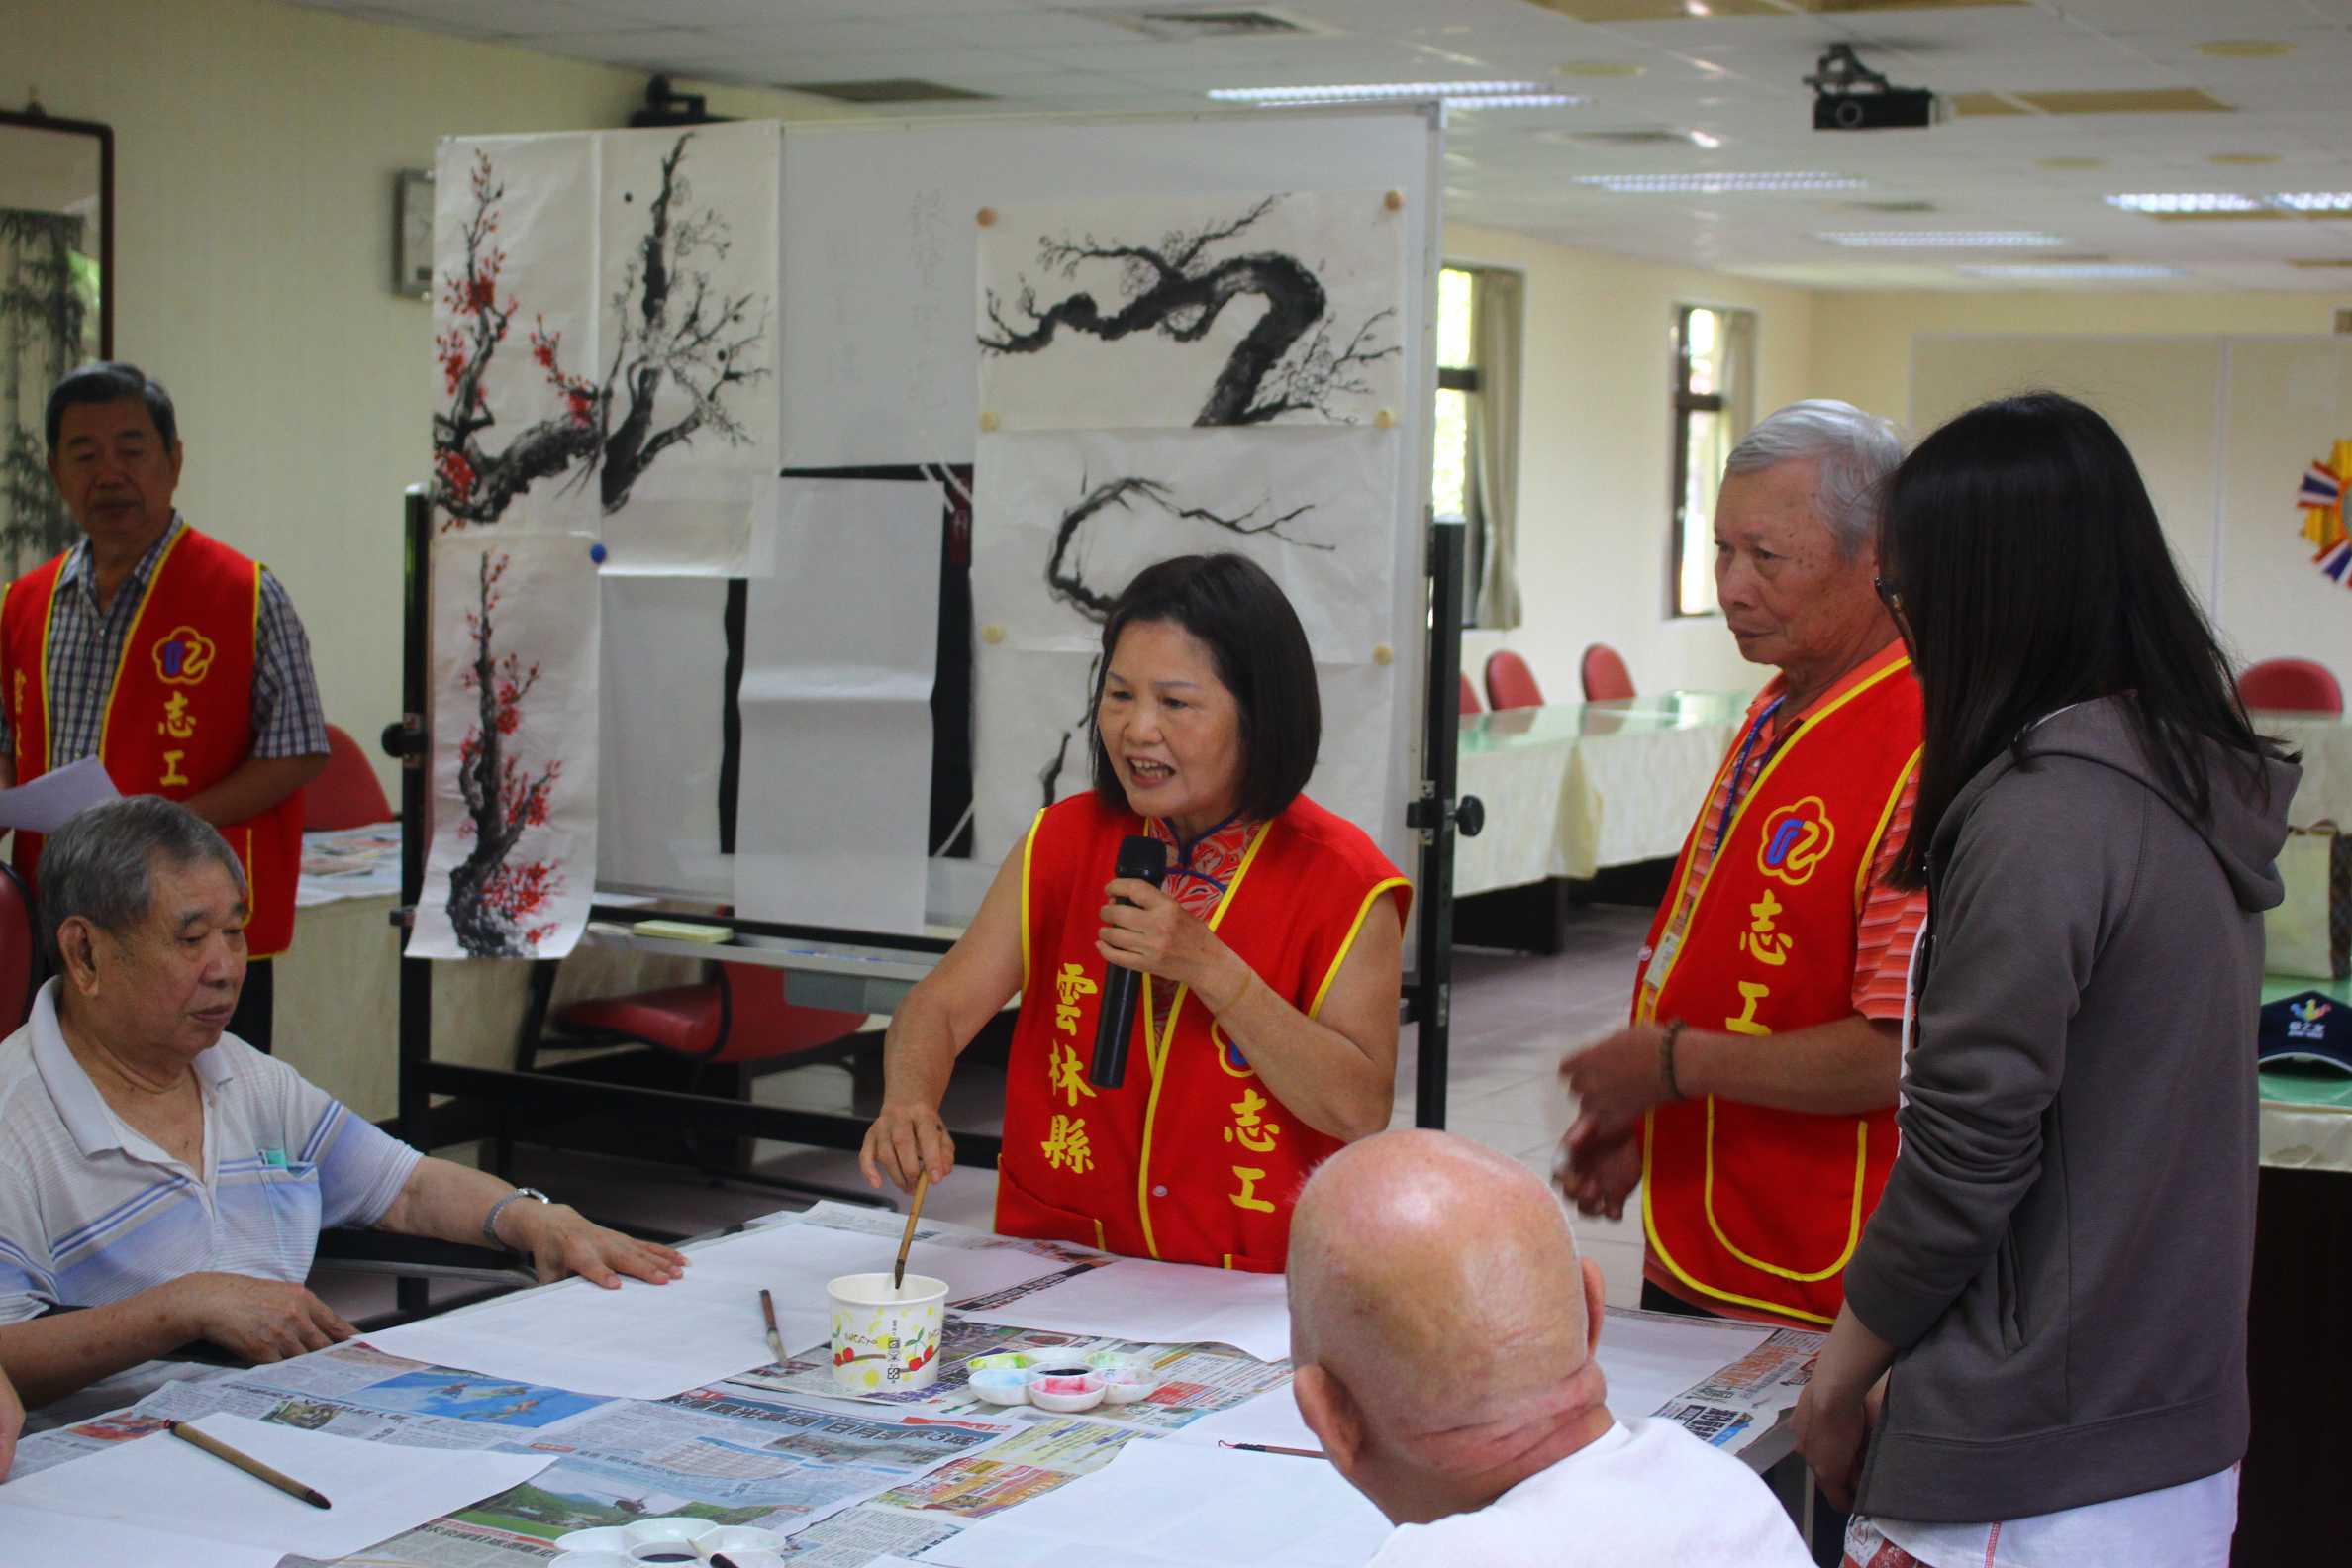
2316	201
2060	271
1706	139
1451	92
1940	238
1719	184
2185	202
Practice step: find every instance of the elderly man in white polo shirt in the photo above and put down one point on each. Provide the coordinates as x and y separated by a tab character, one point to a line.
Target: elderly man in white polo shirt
168	1177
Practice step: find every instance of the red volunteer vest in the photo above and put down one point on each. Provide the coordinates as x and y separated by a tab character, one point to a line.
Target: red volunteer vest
180	717
1745	1204
1191	1159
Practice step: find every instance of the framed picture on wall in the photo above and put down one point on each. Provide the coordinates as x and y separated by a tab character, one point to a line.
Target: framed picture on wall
56	306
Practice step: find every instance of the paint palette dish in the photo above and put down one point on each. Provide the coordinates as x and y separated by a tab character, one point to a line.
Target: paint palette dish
1065	1390
1001	1384
1127	1379
661	1540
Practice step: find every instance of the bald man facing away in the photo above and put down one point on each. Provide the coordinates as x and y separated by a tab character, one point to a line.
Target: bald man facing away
1442	1326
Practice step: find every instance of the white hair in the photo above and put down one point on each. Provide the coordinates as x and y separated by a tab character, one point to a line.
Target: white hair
1855	452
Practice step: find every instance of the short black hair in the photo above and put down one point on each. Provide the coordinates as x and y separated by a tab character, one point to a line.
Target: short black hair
1260	651
2033	573
110	381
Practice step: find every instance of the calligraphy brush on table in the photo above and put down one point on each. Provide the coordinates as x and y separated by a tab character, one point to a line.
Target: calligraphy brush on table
247	1464
767	1310
1275	1449
897	1270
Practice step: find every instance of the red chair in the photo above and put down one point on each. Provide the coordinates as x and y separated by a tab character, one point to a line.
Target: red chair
1510	683
738	1015
20	952
1605	679
1470	703
2291	685
346	794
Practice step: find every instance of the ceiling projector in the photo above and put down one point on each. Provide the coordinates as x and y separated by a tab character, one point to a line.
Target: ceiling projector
1849	96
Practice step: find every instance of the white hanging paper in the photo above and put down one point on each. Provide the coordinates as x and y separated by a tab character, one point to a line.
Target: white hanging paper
839	653
511	863
662	672
1242	309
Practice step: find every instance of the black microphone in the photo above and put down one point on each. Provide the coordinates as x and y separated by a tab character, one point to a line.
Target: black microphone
1141	859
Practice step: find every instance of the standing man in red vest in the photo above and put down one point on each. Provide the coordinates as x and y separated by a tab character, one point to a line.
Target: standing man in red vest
174	660
1752	1097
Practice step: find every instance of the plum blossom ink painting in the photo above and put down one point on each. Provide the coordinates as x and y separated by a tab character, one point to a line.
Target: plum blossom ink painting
1251	309
606	343
1069	519
512	861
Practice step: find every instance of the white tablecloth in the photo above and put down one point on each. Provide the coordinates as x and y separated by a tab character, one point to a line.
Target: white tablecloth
1570	789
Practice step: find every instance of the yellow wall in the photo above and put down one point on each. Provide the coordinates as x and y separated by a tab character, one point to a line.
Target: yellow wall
1861	349
255	151
1595	447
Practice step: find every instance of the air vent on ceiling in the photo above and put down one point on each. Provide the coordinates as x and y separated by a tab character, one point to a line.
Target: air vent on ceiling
1171	25
887	90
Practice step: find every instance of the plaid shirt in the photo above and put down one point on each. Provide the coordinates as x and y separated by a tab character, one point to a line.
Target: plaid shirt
85	648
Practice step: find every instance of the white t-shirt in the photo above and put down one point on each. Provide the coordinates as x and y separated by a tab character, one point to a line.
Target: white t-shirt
1646	1493
2179	1526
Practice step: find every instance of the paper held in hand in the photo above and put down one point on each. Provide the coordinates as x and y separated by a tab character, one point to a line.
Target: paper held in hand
49	800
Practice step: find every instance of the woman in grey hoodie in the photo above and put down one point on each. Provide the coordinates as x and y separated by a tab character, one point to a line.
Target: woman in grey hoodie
2057	1274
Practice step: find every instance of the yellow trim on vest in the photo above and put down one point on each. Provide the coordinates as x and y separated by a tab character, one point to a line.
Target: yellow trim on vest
1870	851
1229	1260
113	691
1159	1057
1649	1226
49	708
1853	1224
1028	848
1363	914
1655	987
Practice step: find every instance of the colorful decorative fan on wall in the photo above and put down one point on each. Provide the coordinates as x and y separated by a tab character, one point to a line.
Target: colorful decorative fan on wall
2321	498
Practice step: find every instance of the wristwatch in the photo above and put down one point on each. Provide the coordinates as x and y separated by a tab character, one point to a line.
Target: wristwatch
490	1219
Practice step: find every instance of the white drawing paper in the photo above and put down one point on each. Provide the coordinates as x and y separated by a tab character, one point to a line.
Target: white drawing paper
606	340
512	862
378	1489
1178	1503
840	649
1220	310
1065	521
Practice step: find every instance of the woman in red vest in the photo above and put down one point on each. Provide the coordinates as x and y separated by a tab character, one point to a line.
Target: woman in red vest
1271	955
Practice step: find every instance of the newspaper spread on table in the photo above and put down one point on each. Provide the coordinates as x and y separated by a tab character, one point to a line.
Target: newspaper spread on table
1750	1394
850	1480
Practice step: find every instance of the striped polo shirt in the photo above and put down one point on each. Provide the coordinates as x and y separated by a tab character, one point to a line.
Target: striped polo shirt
92	1212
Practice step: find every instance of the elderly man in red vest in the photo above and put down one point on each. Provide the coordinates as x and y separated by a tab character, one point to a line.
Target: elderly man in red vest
174	660
1752	1098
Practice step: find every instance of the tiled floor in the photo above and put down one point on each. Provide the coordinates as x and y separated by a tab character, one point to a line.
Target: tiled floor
1512	1017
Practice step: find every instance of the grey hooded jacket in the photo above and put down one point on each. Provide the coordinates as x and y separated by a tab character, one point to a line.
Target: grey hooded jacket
2062	1255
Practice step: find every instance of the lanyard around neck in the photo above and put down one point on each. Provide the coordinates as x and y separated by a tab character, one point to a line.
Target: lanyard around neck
1739	767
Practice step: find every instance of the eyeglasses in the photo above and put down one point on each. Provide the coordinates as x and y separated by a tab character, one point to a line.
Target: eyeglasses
1892	598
